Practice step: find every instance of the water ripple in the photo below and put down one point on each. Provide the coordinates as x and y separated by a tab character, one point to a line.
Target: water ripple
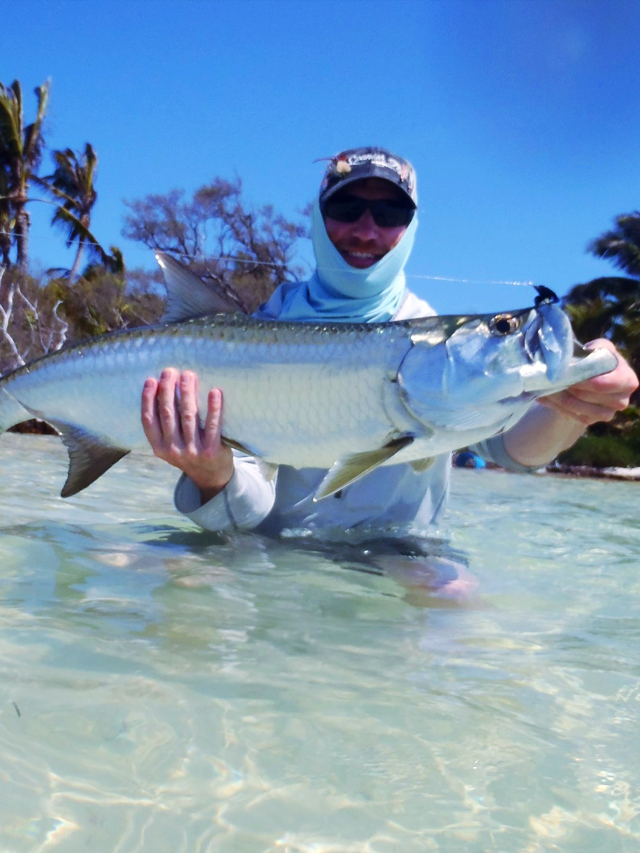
161	689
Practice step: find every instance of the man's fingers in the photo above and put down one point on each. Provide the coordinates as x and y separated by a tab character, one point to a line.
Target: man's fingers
616	399
149	413
171	423
167	404
598	398
213	421
621	381
582	411
189	419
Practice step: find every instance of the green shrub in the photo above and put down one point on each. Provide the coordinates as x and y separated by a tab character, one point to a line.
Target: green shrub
603	451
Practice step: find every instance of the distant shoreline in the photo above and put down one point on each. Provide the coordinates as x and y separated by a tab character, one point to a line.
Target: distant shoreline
582	471
38	427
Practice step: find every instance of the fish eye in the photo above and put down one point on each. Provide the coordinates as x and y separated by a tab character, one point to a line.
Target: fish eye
503	324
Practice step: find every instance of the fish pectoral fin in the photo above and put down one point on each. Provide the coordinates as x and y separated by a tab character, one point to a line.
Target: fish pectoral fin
89	457
422	465
350	468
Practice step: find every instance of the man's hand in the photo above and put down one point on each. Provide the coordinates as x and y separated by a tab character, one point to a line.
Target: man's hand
561	418
599	398
171	424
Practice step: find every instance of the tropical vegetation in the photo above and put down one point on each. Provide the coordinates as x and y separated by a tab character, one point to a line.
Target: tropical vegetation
20	155
41	314
37	316
610	307
72	185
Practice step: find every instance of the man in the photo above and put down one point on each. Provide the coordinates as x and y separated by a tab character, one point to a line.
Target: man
364	223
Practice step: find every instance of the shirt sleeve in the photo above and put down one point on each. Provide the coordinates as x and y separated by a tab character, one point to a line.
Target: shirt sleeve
494	450
245	501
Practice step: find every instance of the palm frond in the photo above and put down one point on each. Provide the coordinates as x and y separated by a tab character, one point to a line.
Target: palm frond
621	245
77	230
622	290
44	184
73	177
33	140
10	129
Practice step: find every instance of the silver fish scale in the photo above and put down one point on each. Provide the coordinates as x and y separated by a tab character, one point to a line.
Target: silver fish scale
301	393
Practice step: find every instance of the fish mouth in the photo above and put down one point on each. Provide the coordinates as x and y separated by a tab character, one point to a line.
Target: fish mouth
585	364
556	359
581	363
549	343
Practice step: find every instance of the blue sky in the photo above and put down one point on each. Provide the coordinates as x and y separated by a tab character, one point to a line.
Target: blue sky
520	116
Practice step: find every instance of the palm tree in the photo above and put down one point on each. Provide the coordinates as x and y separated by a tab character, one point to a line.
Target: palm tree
610	306
621	245
20	154
606	307
6	219
72	184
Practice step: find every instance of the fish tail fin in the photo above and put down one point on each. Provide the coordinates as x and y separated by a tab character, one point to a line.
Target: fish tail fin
11	411
90	456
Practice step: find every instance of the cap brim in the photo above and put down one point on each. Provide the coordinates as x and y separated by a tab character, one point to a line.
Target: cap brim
371	172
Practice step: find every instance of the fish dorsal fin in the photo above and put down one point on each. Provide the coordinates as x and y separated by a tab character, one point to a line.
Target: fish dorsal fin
188	295
89	457
350	468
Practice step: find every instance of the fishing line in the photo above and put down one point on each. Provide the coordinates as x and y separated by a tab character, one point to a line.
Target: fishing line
274	264
235	260
471	280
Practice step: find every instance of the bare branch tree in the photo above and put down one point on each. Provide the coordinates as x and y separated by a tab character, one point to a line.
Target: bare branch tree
258	246
6	313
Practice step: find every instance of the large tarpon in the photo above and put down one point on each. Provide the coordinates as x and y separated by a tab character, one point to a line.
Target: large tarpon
344	396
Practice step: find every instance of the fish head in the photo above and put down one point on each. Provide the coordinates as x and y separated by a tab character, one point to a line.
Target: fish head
482	372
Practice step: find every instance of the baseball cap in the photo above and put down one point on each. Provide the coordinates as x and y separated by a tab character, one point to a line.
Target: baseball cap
358	163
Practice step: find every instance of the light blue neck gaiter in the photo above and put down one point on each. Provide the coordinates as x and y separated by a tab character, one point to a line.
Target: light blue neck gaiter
339	292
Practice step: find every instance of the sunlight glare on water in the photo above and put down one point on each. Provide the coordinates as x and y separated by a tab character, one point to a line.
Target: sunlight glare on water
167	690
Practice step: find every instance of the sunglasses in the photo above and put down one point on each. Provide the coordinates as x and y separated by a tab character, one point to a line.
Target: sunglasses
385	213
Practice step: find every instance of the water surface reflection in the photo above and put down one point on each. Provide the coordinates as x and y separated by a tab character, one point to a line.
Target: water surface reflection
165	690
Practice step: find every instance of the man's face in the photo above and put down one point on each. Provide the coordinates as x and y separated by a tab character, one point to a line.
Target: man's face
363	243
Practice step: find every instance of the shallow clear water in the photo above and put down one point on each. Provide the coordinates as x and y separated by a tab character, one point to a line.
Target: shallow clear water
164	690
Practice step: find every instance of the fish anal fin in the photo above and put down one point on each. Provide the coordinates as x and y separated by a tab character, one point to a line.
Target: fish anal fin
236	445
350	468
422	465
267	469
89	457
